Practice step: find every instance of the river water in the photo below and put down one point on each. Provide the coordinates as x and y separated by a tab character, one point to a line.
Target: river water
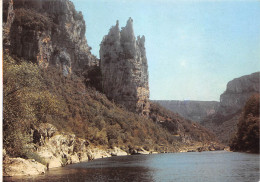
173	167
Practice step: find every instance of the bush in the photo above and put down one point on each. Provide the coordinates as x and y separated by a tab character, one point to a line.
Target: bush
64	161
26	102
35	156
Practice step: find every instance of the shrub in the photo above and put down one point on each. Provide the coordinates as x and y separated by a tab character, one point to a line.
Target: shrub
35	156
64	161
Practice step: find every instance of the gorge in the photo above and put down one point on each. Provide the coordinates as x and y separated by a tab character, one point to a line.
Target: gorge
62	105
220	117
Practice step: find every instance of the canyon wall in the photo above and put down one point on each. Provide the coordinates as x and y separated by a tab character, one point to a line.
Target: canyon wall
47	32
192	110
124	68
238	92
224	122
52	32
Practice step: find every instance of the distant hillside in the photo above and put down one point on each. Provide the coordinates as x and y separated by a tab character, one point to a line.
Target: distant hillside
192	110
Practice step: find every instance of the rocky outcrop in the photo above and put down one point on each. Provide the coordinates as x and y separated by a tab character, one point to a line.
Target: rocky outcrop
47	32
59	149
20	167
238	92
192	110
124	68
117	152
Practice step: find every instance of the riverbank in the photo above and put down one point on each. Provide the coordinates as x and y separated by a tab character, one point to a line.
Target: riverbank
189	166
28	167
55	149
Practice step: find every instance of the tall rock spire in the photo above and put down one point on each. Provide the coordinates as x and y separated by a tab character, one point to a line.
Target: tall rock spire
124	68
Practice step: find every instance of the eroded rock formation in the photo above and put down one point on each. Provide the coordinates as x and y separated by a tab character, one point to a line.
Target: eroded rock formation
59	149
47	32
124	68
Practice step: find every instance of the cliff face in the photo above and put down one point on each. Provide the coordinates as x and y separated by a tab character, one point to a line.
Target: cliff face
52	32
192	110
124	68
47	32
238	92
224	122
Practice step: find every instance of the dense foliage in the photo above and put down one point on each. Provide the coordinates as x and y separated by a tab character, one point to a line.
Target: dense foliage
247	136
33	96
26	102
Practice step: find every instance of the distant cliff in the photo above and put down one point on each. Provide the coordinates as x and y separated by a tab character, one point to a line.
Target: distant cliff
224	122
192	110
47	32
124	68
237	93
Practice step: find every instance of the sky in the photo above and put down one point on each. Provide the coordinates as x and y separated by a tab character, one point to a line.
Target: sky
194	47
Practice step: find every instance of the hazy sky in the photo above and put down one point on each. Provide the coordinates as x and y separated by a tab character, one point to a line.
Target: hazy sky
193	47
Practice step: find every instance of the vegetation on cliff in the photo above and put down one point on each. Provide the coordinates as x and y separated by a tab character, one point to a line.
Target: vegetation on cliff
247	136
50	78
33	95
178	126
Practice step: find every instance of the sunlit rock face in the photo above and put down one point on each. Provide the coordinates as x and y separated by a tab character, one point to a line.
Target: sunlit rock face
238	92
47	32
124	68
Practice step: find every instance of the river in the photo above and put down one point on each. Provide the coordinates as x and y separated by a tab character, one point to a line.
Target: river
173	167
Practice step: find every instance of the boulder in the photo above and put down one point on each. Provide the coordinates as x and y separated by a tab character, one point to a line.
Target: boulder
117	152
97	153
19	167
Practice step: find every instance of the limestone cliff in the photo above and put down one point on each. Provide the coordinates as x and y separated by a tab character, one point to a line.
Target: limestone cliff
238	92
47	32
192	110
124	68
224	122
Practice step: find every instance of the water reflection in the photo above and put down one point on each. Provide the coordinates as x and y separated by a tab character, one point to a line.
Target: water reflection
204	166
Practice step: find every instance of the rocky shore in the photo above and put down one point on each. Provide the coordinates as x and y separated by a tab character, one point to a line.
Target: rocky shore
56	150
60	149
